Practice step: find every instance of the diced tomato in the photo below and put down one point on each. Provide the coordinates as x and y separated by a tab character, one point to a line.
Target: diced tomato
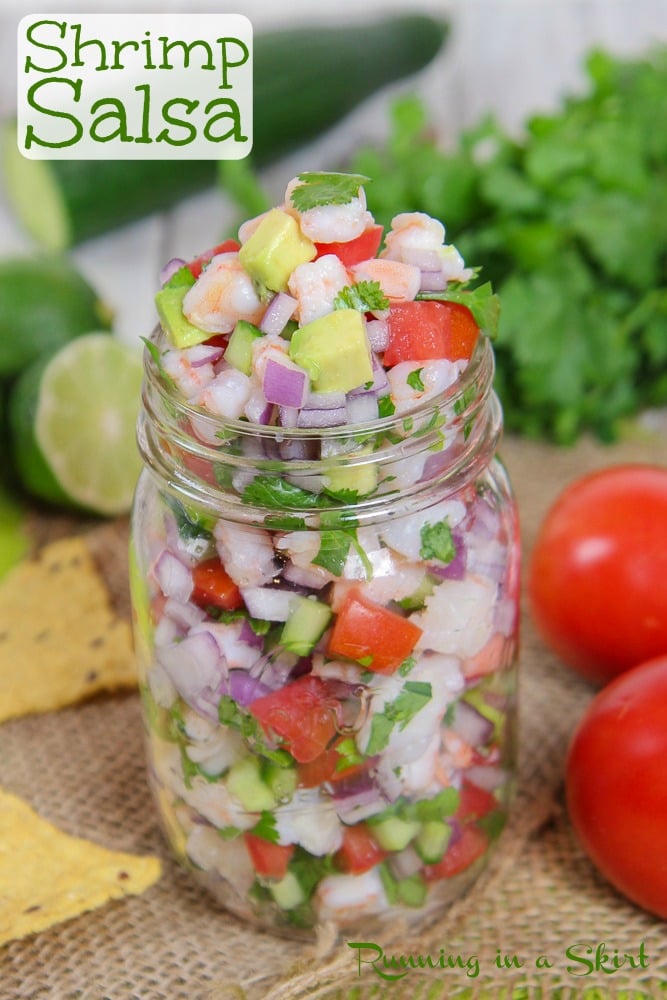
214	587
354	251
471	845
426	329
329	766
475	802
372	635
218	340
270	860
359	850
303	713
201	467
196	266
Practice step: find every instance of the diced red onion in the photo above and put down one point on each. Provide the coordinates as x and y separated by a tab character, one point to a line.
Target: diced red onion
324	400
195	668
204	354
173	577
358	807
278	313
284	383
362	407
322	418
487	776
183	615
244	689
304	576
170	269
248	635
504	618
378	334
268	603
471	725
405	863
432	281
288	416
258	410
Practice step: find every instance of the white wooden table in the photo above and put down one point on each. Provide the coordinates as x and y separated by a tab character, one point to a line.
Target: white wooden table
506	56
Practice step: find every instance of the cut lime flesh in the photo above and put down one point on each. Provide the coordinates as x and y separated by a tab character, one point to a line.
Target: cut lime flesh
85	421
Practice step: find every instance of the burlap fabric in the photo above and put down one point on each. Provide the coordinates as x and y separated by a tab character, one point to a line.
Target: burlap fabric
540	902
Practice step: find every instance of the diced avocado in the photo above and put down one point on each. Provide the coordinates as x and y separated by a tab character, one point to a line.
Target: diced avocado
334	351
394	833
361	479
432	840
275	248
305	626
244	782
288	892
411	890
183	278
280	780
239	349
169	305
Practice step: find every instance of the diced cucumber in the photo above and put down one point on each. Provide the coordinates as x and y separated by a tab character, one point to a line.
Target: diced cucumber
239	349
288	892
432	840
417	600
244	782
169	305
475	697
280	780
394	833
305	626
411	890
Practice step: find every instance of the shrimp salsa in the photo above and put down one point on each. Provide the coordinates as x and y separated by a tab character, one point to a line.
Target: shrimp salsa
329	694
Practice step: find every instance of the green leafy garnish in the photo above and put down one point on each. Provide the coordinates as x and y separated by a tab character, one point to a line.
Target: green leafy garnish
482	302
400	712
414	380
278	494
437	542
386	407
348	754
364	296
442	805
318	188
231	715
333	551
266	828
569	223
156	355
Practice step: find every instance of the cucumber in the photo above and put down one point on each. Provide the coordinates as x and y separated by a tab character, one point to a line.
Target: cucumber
432	840
305	80
288	892
305	626
244	782
394	833
239	349
44	303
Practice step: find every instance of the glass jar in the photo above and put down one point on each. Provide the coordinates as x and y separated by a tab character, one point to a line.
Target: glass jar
326	626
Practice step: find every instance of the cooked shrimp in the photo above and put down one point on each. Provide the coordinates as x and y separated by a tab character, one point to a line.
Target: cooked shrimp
417	238
396	279
346	898
189	378
247	553
315	285
221	295
332	223
436	376
226	395
264	348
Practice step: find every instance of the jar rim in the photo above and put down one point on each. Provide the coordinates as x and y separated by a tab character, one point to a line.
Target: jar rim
478	374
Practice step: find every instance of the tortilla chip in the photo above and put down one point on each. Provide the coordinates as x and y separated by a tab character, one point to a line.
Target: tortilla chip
48	876
60	641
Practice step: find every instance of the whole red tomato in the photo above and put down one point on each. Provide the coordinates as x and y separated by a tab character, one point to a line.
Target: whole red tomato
615	783
598	573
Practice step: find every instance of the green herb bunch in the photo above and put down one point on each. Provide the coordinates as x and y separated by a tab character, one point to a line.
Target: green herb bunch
569	222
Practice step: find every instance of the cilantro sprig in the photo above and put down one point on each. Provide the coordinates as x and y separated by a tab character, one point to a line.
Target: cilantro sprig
318	188
400	712
364	296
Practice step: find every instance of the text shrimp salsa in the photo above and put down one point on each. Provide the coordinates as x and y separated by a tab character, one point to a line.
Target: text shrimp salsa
325	566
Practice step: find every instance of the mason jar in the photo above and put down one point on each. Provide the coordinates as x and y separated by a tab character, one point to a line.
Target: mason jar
326	627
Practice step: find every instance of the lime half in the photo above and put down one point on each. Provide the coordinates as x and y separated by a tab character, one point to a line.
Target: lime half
73	419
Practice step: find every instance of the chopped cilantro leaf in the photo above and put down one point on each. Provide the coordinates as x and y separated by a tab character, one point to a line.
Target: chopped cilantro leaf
231	715
386	407
437	542
365	296
266	828
348	754
400	712
482	302
333	550
277	494
414	380
318	188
